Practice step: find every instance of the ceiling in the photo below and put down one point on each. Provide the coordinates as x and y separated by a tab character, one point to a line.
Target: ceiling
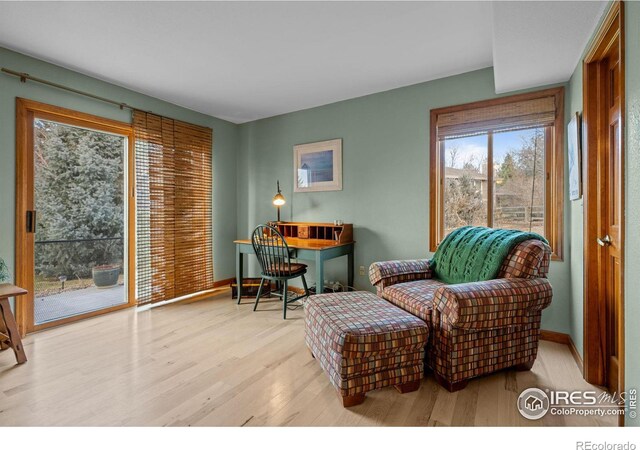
538	43
244	61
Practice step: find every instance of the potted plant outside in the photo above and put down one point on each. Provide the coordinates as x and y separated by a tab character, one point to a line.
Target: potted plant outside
106	276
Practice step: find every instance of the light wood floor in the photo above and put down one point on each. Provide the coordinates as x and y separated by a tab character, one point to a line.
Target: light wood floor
214	363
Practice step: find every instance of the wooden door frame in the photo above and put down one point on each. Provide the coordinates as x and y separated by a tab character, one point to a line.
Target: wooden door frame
26	112
594	355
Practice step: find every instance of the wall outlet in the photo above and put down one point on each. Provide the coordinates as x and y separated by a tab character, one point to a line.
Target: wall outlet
361	271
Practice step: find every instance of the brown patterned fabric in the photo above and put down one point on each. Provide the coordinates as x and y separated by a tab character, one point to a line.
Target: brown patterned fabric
457	354
415	297
362	342
351	367
499	303
359	324
476	328
388	273
529	259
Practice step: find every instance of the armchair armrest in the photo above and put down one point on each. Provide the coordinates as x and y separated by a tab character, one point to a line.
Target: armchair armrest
492	304
387	273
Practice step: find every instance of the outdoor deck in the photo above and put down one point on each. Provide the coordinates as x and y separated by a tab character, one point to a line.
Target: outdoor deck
73	303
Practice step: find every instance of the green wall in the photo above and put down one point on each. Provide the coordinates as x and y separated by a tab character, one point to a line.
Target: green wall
574	104
385	174
225	137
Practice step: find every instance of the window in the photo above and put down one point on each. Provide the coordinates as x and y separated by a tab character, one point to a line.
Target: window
498	163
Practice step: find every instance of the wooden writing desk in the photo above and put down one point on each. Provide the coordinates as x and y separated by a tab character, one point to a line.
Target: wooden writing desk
308	249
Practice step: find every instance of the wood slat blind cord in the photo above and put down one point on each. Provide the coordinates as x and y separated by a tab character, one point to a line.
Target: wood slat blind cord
503	117
173	208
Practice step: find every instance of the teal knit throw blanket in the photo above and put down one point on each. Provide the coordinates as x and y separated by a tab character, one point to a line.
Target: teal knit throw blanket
475	253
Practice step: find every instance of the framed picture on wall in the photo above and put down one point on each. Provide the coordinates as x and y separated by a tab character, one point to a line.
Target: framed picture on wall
318	166
574	135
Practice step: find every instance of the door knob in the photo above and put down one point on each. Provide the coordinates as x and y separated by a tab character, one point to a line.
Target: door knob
604	241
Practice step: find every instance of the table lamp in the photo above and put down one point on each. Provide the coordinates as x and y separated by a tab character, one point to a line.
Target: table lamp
278	200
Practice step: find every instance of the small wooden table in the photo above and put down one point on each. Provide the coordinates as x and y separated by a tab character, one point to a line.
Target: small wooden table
317	250
9	334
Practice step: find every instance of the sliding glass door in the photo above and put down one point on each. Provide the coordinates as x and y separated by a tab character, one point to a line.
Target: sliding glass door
75	216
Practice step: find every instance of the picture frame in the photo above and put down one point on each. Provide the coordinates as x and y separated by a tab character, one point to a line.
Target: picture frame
574	157
317	166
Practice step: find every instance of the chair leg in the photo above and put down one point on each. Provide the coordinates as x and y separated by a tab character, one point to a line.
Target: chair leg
259	294
11	328
352	400
306	288
408	387
284	299
450	386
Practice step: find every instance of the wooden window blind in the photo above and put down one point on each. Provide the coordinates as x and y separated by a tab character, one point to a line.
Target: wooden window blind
508	116
173	208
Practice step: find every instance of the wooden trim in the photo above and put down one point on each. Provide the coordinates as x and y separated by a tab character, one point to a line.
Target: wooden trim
130	256
554	336
500	100
565	339
614	18
554	164
24	199
612	28
554	182
76	118
225	282
435	184
490	179
26	112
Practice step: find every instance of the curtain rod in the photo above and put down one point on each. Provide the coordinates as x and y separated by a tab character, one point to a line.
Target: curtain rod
25	76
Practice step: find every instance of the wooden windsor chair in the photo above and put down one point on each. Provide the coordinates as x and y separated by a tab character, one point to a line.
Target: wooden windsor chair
274	257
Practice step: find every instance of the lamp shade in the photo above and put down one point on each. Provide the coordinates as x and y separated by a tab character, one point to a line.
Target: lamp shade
278	199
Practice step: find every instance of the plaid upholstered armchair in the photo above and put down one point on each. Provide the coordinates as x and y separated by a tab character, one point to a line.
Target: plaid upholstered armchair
476	328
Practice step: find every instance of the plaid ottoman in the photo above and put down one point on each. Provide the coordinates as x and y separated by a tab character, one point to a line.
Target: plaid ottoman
363	342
